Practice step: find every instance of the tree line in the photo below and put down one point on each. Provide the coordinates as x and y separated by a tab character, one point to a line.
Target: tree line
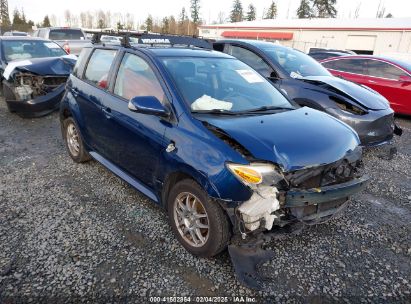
186	23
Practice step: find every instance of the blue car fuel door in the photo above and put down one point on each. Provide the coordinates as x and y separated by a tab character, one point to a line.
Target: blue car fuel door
135	130
89	94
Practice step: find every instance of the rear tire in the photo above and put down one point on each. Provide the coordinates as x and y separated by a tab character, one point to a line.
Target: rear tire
198	222
74	142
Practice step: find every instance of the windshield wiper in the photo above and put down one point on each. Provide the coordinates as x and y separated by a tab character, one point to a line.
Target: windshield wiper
214	111
267	108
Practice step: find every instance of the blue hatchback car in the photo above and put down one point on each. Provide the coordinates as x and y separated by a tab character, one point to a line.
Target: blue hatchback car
202	134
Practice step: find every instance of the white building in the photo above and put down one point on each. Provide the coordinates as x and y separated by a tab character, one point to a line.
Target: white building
366	36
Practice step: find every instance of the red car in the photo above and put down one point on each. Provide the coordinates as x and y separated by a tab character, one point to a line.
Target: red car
389	77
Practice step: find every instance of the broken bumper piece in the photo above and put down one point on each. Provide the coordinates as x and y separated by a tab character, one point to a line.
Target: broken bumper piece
302	198
38	106
310	206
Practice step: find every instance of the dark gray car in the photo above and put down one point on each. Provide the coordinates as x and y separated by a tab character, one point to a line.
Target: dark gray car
308	83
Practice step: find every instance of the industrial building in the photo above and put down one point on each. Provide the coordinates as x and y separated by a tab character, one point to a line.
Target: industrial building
383	36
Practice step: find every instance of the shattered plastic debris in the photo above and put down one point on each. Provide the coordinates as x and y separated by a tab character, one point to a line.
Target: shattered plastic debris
261	205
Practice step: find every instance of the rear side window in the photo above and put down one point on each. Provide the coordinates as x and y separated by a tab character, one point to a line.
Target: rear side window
66	34
382	69
81	61
356	66
98	67
252	59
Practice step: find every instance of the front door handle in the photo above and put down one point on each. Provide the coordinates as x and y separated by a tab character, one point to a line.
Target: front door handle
75	92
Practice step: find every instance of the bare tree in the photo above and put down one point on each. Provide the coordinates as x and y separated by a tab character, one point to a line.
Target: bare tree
67	17
357	11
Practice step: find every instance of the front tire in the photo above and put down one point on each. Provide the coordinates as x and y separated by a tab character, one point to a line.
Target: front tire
74	142
199	223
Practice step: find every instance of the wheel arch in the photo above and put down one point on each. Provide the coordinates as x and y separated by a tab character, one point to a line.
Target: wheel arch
173	177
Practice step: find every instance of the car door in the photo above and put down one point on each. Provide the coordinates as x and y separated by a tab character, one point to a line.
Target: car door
136	140
386	79
89	93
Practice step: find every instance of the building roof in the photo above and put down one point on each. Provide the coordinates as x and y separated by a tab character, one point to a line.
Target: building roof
321	24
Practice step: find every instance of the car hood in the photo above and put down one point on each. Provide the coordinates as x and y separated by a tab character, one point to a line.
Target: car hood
294	139
42	66
359	94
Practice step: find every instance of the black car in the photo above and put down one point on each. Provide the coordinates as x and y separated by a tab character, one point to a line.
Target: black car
33	72
308	83
322	54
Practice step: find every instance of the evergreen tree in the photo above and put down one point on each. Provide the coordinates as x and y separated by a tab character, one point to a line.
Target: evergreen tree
4	14
46	22
183	15
271	11
325	8
251	14
149	23
237	11
101	24
305	10
17	21
165	26
119	26
195	11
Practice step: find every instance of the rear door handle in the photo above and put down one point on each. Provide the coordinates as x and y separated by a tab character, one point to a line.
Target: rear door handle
107	112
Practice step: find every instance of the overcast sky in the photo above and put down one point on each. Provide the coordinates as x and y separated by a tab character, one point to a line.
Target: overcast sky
37	9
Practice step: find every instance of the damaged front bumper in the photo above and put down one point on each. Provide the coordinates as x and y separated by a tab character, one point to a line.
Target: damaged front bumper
374	128
305	207
36	107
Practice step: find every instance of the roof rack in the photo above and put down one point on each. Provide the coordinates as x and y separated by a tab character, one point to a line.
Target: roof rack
151	38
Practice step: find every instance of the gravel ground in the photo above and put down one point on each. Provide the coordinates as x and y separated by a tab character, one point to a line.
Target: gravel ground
72	232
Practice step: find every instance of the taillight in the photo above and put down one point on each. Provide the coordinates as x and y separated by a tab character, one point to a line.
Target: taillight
66	47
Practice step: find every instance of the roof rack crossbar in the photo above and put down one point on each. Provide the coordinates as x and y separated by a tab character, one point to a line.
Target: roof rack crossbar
152	38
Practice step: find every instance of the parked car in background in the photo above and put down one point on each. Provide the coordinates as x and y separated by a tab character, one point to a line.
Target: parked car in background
71	39
308	83
206	137
33	74
390	77
15	33
110	39
321	54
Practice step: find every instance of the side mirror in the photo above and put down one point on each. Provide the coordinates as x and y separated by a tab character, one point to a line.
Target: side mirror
405	79
148	105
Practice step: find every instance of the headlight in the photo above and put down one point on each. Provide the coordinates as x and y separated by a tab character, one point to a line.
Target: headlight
256	174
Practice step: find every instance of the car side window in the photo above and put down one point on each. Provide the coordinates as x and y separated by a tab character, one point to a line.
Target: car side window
382	69
252	59
355	66
82	60
41	33
99	66
136	78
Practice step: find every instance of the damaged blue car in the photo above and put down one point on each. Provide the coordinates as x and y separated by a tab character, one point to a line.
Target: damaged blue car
231	159
33	74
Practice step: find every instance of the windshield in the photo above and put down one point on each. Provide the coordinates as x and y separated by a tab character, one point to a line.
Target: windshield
66	34
228	85
296	63
26	49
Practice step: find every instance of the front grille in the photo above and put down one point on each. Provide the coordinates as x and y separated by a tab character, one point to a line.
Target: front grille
338	172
